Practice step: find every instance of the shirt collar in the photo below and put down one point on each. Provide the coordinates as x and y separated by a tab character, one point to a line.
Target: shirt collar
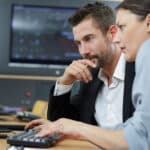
119	72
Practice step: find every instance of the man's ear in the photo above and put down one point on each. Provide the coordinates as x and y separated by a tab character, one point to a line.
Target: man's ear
112	31
148	22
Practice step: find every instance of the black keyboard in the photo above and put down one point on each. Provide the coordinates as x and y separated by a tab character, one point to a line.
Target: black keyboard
28	139
12	126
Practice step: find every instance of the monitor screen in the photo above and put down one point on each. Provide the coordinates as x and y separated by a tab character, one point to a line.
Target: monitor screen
40	35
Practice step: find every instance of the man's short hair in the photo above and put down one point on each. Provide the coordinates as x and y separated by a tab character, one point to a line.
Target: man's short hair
102	14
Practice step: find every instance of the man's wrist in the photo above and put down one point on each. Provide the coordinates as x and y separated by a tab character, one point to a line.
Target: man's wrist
62	81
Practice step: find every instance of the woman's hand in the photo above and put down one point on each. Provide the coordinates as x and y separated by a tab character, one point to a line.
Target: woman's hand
65	127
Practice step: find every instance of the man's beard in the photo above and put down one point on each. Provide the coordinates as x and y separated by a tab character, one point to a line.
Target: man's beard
99	62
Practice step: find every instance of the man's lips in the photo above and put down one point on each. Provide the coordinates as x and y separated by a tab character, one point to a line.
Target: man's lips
94	60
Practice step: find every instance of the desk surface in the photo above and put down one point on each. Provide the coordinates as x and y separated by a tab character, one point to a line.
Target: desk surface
10	119
62	145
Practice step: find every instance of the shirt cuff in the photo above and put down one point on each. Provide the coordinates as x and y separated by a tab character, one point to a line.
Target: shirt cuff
61	89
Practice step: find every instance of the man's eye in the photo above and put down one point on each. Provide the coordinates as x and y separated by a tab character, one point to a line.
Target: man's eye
77	43
88	38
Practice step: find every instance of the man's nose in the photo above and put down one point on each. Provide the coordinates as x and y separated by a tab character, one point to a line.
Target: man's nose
84	49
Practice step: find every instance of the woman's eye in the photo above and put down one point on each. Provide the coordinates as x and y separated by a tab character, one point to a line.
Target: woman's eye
121	27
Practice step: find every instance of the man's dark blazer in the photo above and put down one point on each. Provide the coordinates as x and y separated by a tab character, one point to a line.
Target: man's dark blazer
82	106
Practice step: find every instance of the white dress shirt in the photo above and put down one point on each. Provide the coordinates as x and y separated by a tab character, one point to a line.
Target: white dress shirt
109	101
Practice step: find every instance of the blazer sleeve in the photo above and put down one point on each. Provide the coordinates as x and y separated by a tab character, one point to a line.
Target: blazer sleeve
62	106
77	105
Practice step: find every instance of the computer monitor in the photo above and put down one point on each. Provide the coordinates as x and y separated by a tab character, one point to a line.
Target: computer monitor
41	36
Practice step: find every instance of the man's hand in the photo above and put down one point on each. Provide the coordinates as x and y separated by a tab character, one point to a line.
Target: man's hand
77	70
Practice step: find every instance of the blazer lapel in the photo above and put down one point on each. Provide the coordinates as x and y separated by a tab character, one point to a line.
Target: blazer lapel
89	103
128	108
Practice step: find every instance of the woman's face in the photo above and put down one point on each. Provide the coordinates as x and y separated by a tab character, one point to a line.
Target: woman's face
131	33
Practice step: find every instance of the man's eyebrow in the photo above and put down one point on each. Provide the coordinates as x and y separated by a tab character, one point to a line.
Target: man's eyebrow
88	35
84	37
